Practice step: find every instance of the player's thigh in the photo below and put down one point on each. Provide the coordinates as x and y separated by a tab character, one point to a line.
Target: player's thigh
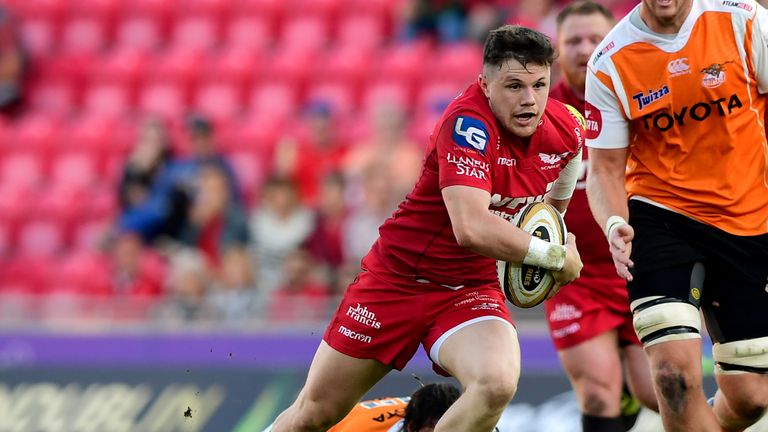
483	351
336	381
594	362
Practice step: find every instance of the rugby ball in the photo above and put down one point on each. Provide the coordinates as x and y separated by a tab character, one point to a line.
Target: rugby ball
526	285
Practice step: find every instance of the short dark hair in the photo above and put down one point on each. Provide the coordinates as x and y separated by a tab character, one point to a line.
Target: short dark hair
428	404
583	7
519	43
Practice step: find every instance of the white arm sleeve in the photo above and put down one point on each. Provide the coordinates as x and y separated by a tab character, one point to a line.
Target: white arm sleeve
760	48
606	126
566	183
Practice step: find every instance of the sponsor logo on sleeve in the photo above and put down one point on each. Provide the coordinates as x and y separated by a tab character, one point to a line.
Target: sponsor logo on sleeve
739	5
594	121
465	165
470	132
603	51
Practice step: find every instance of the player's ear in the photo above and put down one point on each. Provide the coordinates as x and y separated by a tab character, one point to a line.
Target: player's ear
482	79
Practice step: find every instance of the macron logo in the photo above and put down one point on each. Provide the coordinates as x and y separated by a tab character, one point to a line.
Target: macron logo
643	100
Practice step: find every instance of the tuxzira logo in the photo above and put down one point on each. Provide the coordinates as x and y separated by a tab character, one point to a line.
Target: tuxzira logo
714	75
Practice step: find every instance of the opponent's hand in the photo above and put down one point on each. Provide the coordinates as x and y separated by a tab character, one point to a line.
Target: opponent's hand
571	269
620	244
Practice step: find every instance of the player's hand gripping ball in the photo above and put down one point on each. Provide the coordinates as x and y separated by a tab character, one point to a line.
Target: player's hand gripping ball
525	285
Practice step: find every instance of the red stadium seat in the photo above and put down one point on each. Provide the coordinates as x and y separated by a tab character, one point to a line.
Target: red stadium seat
39	36
196	33
364	31
278	100
403	62
143	33
348	64
237	66
386	93
164	99
267	9
456	62
22	275
249	172
84	36
290	66
180	66
88	234
110	100
78	170
338	96
383	8
251	33
55	97
34	133
23	169
436	96
305	32
6	232
40	238
218	100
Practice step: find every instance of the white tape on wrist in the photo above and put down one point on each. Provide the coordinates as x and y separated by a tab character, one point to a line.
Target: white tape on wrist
545	254
612	223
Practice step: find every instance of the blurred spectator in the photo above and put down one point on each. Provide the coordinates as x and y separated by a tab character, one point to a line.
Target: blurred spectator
12	65
379	200
149	157
389	148
302	296
440	19
312	153
536	14
134	270
235	297
216	222
279	226
166	212
325	242
187	285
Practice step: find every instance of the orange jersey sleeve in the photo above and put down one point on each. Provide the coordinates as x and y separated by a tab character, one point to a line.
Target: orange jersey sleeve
691	111
380	415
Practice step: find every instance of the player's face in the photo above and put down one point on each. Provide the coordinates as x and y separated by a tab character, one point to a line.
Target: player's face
578	36
665	16
517	94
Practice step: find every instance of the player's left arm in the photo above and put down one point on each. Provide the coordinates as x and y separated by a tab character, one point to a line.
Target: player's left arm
562	191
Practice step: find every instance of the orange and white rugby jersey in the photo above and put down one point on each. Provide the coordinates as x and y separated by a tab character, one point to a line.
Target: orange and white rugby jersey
690	108
378	415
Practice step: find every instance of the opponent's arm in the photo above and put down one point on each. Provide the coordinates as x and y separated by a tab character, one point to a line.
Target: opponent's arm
605	184
562	191
487	234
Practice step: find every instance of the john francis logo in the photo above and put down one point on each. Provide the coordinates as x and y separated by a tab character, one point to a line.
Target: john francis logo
362	315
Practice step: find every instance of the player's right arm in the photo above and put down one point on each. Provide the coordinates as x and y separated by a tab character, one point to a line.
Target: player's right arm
488	234
608	142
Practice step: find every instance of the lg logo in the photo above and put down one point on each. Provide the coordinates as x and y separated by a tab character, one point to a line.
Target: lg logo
679	67
470	132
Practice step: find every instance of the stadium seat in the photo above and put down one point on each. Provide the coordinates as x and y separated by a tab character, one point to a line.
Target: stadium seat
218	100
249	172
40	238
403	62
237	66
195	33
110	100
360	31
22	275
77	170
350	64
85	35
88	234
386	93
437	95
304	32
164	99
456	62
250	33
143	33
289	66
268	9
257	135
275	99
339	96
39	36
180	66
6	231
54	97
21	169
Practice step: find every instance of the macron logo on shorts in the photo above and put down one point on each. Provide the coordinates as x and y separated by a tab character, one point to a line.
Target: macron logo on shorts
470	132
354	335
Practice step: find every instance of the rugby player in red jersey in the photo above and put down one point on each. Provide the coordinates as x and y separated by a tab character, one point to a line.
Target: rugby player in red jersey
431	277
590	322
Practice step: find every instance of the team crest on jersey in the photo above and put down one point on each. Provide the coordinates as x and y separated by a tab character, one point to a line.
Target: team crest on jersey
678	67
470	132
714	75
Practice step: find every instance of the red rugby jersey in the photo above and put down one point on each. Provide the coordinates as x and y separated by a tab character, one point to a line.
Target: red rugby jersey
470	147
590	240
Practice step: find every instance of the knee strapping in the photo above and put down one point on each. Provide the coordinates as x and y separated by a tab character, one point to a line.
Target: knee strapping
750	355
660	319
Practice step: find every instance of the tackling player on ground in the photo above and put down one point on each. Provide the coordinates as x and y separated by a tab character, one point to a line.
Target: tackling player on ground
590	322
675	112
431	277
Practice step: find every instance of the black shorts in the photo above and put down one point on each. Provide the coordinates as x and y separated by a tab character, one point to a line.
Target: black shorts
730	283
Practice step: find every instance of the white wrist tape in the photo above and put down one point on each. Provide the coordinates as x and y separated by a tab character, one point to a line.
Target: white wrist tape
545	254
612	223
